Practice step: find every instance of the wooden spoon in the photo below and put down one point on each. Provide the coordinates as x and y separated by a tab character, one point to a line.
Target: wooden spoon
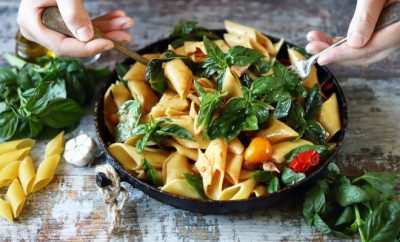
52	19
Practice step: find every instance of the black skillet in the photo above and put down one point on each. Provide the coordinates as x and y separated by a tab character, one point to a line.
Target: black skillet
208	206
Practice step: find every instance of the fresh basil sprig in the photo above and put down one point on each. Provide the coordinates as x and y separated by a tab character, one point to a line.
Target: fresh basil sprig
196	182
154	132
151	173
339	206
267	177
129	116
190	31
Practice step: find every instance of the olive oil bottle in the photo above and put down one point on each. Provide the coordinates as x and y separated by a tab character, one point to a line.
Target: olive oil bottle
29	50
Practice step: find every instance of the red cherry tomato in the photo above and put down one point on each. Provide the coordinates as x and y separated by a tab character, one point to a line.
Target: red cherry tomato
304	161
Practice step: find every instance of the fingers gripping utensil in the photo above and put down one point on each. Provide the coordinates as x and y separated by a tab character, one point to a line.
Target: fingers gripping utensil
52	19
389	16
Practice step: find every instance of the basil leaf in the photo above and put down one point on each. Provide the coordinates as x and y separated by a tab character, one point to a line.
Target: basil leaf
274	185
155	75
14	61
383	182
189	31
210	67
384	222
35	128
175	130
250	123
283	106
347	194
220	78
315	132
290	177
347	217
196	182
242	56
291	80
302	51
8	124
314	202
313	102
228	125
129	115
323	227
210	103
61	113
151	173
265	85
260	110
214	53
266	66
200	90
296	118
262	176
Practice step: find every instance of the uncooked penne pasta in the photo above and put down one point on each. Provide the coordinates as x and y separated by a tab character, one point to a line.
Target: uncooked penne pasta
9	173
26	174
56	145
5	210
9	157
16	145
45	172
16	197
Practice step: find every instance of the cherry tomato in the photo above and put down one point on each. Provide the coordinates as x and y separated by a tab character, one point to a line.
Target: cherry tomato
259	150
304	161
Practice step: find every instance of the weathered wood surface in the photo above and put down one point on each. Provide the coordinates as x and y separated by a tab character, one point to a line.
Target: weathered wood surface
70	208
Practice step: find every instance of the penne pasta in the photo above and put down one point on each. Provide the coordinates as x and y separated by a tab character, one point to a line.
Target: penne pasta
329	116
5	210
282	148
16	197
180	187
45	172
16	145
26	174
11	156
137	72
179	77
233	168
241	190
55	146
9	173
277	131
174	166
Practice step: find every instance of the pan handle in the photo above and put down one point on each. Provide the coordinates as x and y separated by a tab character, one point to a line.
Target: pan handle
109	183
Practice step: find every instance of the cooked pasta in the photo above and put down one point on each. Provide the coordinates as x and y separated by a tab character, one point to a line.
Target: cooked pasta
216	114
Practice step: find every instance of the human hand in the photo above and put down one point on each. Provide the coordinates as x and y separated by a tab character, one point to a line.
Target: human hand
364	46
112	24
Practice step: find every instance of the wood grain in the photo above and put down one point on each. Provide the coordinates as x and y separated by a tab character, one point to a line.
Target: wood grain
70	208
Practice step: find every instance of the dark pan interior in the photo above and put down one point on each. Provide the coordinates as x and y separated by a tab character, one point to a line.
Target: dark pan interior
208	206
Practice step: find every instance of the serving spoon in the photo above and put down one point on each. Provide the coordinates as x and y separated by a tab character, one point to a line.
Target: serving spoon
51	18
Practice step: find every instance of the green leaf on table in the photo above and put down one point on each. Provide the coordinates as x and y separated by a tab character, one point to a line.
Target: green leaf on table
347	217
196	182
347	194
385	182
61	113
151	173
9	125
314	202
384	222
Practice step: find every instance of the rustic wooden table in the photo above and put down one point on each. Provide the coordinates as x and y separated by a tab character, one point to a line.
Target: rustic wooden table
70	208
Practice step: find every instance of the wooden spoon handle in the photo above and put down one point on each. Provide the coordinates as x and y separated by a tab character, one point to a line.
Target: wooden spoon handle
51	18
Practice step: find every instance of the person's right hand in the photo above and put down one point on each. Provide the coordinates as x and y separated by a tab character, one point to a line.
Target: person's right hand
364	46
112	24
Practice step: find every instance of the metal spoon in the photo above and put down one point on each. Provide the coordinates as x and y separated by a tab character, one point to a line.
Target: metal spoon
52	19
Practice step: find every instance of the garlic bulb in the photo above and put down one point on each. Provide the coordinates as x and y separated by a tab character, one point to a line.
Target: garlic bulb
80	150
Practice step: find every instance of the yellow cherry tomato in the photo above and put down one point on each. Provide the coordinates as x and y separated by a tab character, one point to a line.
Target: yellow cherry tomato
259	150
